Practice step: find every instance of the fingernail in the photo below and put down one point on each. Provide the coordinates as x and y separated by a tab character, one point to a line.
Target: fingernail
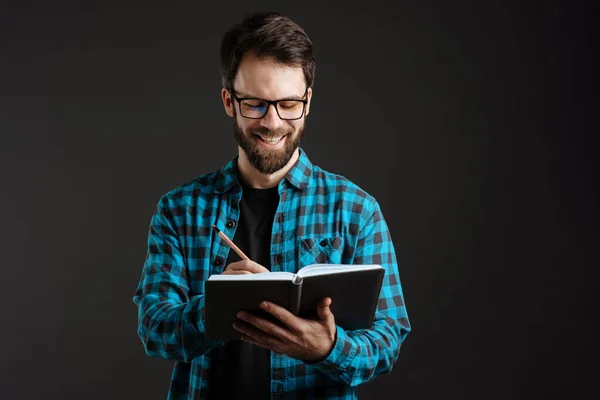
264	304
241	314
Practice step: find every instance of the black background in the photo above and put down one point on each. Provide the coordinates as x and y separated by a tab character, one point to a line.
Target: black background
466	120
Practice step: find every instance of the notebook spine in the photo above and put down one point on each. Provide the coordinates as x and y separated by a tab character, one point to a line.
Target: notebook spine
296	295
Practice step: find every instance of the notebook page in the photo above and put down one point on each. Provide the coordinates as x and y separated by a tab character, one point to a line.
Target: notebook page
264	276
322	269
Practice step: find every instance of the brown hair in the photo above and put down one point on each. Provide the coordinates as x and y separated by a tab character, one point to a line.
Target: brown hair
267	35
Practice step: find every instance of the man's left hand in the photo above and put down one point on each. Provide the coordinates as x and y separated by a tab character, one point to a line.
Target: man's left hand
304	339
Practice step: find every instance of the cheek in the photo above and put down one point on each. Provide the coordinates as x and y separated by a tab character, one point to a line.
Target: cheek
249	126
298	125
242	123
295	125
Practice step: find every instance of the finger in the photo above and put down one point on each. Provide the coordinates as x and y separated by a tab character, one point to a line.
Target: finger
258	336
266	326
249	266
250	340
288	319
236	272
324	310
253	267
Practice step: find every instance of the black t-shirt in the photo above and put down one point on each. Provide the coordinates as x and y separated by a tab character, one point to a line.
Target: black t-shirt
240	370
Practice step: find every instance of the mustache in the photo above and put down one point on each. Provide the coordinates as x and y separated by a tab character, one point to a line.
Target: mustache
267	133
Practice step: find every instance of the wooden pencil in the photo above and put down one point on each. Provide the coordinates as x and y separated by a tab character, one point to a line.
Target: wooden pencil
231	244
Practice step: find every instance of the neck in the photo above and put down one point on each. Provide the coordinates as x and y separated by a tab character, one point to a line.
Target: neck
257	180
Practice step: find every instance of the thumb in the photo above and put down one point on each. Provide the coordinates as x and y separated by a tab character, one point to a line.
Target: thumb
323	309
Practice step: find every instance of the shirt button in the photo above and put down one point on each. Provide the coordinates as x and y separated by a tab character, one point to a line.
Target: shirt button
323	243
277	258
230	224
218	261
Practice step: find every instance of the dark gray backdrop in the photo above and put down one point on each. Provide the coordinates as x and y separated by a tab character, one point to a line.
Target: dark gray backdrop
465	120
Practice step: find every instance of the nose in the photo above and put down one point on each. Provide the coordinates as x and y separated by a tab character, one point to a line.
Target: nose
271	120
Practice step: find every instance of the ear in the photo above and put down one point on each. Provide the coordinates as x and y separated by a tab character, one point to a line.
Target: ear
227	101
308	97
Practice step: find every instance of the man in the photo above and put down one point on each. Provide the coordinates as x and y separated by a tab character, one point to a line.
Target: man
284	213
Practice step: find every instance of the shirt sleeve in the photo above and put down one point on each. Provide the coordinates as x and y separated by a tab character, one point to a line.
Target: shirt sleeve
359	356
170	321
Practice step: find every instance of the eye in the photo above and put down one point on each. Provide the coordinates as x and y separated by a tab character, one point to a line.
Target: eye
255	104
290	105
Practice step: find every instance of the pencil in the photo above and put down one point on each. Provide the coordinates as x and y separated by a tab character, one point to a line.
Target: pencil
231	244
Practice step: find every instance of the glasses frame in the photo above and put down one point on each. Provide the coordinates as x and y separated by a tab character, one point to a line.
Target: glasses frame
275	104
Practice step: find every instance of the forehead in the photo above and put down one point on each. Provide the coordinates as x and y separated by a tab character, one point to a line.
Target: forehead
268	79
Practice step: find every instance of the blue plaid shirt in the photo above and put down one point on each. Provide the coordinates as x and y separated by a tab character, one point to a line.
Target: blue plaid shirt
314	206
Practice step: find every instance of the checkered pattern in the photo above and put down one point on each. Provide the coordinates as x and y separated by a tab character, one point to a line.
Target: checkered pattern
321	218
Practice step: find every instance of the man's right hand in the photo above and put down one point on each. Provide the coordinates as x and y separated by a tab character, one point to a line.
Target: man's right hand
244	267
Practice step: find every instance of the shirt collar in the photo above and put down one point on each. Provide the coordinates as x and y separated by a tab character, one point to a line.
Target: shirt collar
298	176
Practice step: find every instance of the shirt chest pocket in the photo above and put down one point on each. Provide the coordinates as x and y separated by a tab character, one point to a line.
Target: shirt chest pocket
320	250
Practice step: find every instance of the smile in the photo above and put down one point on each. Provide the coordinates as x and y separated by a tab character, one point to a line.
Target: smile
271	140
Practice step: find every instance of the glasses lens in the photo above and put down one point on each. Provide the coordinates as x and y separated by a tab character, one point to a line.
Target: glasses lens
290	109
253	108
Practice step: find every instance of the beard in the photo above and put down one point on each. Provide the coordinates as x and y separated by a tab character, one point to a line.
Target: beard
264	160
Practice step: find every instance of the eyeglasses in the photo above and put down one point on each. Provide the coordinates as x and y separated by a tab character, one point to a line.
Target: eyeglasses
287	109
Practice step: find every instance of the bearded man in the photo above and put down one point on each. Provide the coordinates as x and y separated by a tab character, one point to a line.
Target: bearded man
284	213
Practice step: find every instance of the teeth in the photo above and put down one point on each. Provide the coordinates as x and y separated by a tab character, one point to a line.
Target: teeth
272	141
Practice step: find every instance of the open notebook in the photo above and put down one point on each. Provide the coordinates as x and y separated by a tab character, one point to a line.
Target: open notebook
354	290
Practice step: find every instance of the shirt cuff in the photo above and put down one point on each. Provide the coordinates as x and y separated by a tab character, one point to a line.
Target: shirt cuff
341	356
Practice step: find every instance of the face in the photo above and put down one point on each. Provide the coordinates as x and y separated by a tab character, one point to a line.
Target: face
269	142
